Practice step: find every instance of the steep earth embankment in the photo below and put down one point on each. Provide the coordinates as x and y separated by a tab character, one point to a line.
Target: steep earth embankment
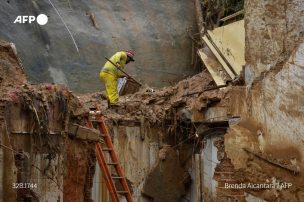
155	30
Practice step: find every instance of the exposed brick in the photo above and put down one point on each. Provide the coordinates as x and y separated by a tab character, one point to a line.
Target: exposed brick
225	173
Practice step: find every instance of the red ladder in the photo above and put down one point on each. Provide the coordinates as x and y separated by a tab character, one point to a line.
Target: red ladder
101	153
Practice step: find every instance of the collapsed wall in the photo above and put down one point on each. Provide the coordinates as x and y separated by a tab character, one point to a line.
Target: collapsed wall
264	145
271	131
157	132
43	157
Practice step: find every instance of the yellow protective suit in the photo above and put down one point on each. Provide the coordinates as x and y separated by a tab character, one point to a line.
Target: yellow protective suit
109	74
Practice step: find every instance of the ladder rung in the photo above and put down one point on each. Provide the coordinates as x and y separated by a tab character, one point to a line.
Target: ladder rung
101	148
117	177
107	149
122	192
112	163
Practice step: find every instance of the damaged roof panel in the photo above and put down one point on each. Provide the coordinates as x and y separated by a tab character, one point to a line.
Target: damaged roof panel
219	57
213	65
230	42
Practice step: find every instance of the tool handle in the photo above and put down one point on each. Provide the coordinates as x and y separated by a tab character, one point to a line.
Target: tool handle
123	71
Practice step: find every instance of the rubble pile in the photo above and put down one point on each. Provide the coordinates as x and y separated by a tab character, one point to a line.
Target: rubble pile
160	105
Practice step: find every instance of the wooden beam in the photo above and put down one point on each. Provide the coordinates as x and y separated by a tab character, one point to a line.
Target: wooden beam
229	41
213	66
232	15
219	57
198	185
83	133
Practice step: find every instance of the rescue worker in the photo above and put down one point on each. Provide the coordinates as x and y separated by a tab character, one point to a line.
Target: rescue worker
109	74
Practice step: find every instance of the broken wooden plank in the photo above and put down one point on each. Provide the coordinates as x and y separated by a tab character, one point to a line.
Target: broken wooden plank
232	15
83	133
198	183
229	40
219	57
213	66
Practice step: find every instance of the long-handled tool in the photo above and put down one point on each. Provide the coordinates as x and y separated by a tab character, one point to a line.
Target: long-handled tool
123	71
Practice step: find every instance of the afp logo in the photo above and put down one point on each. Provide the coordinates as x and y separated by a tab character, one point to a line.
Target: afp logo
41	19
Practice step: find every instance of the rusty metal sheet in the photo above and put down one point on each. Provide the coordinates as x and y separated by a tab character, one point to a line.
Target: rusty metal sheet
230	41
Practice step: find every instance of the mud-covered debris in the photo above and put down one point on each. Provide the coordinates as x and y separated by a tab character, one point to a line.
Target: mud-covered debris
155	106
